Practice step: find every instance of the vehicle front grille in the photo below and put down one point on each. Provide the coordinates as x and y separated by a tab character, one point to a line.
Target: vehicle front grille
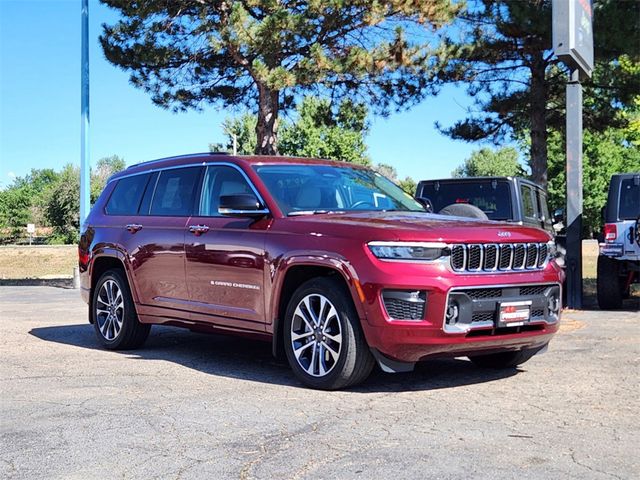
504	257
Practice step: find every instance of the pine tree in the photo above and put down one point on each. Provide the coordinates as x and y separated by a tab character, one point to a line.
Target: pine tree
501	51
264	55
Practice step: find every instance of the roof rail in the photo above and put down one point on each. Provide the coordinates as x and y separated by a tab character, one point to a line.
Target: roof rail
177	156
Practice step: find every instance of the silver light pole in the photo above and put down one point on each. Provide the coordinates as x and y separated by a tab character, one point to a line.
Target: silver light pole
84	116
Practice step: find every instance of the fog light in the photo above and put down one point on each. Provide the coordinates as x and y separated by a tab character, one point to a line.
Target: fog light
405	304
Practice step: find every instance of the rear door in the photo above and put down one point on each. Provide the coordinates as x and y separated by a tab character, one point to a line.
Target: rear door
156	238
225	256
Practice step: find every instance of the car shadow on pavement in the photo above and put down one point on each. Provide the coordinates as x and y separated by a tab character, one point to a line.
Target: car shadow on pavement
251	360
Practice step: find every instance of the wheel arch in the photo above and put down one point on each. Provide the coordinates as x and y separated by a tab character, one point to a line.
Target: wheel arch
298	270
109	259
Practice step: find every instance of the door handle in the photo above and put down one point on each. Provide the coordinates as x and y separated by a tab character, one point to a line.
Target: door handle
198	229
133	227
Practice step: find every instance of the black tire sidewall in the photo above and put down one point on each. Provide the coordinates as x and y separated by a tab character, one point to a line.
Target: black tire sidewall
609	283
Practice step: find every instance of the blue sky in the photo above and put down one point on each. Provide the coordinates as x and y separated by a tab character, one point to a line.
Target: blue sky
40	105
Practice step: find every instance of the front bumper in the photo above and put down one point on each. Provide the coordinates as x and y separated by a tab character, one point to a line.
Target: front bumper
478	329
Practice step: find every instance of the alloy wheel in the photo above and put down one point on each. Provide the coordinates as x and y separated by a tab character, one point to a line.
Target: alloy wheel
110	310
316	335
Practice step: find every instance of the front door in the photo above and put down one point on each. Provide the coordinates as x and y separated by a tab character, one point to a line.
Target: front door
225	257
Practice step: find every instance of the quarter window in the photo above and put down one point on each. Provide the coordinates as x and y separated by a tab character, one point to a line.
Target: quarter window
175	192
126	195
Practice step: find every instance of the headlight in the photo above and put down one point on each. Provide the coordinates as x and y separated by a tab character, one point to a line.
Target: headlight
552	250
416	251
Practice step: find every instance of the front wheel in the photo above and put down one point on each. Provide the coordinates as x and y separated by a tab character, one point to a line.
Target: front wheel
505	359
323	339
114	315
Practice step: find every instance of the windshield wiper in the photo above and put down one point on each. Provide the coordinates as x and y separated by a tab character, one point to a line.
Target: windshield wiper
299	213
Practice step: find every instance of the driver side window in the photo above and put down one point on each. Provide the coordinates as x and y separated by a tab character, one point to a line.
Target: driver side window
220	181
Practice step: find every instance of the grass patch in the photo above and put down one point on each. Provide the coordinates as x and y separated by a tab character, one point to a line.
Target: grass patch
38	261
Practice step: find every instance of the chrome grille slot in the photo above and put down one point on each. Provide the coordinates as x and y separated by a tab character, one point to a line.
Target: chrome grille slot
506	256
532	255
458	257
474	263
542	257
503	257
490	257
519	256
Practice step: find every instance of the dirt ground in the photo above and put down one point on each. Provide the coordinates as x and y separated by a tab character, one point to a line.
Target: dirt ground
42	261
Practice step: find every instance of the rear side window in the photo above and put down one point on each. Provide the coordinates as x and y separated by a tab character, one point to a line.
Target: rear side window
126	196
629	200
528	202
175	192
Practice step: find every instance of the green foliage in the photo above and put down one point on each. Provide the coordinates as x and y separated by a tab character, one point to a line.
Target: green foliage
604	153
63	207
501	51
105	168
48	198
266	55
318	132
502	162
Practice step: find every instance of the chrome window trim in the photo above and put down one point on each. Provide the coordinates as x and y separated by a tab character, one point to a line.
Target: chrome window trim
198	164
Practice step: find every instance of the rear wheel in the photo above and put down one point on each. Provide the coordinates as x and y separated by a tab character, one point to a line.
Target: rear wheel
610	284
323	339
505	359
114	314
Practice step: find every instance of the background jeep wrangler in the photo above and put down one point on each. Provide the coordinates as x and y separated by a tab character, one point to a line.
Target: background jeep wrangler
619	259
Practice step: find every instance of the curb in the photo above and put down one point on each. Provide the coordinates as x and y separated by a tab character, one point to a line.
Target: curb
37	282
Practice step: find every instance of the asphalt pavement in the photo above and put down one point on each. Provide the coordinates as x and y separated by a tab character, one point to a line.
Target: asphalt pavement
194	406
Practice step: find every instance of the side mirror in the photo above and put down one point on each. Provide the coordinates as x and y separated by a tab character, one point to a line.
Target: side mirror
426	203
558	215
241	205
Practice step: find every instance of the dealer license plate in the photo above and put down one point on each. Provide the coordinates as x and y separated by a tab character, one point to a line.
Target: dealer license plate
513	314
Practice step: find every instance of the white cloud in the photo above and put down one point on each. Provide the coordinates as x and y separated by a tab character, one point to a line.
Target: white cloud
11	175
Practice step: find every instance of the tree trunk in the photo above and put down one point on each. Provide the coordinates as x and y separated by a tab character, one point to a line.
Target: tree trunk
538	121
267	125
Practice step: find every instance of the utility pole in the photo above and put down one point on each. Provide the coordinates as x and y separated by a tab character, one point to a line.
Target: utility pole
574	190
573	45
84	115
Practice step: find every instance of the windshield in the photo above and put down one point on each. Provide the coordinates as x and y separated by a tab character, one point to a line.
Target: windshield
307	189
490	196
629	200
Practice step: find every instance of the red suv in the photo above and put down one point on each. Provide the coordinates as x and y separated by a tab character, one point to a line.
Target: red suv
331	262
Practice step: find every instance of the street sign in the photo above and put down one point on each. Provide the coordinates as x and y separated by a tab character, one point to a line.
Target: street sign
31	228
573	34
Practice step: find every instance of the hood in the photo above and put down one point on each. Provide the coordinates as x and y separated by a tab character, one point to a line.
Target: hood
417	226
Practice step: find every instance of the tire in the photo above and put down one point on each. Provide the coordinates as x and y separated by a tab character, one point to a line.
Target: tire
464	210
114	315
609	284
326	348
505	359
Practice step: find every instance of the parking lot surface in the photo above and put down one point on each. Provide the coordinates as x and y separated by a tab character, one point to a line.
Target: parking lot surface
200	406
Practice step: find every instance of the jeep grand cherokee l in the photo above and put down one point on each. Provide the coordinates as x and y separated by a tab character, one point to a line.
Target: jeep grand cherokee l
331	262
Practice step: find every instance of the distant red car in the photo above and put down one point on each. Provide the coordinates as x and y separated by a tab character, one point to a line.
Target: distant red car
331	262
